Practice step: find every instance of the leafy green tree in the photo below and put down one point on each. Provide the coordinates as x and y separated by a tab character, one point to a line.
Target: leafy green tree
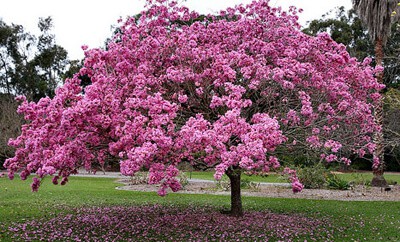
392	128
30	65
14	46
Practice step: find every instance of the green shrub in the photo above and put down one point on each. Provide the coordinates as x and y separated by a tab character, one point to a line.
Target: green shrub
312	177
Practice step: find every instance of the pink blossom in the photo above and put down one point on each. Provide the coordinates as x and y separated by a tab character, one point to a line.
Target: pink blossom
331	158
24	174
175	185
376	163
35	184
64	181
55	180
11	175
332	145
172	171
162	191
345	160
297	187
182	98
315	131
314	141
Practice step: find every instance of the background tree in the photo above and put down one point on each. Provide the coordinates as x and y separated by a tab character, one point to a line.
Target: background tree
29	65
347	28
224	92
377	17
392	128
10	125
15	45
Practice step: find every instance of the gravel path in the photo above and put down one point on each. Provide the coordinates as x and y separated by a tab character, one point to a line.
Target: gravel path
279	190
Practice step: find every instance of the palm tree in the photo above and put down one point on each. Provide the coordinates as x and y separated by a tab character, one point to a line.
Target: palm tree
377	17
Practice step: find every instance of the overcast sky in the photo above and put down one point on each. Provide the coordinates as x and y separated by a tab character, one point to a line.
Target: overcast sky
79	22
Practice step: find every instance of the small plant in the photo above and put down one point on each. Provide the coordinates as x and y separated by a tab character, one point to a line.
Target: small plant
139	178
225	184
336	183
183	179
360	180
391	182
247	184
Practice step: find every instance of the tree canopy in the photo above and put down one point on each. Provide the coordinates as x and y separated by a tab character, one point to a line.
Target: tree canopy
30	65
223	91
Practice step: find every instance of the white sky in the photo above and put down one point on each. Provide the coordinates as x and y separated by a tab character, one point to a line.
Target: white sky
79	22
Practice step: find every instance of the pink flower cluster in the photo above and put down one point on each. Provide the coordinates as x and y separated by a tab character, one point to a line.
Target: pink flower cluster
296	185
231	141
223	91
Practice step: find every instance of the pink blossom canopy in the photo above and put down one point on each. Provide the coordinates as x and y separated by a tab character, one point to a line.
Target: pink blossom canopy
224	91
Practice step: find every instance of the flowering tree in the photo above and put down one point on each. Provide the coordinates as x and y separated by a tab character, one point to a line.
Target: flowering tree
223	91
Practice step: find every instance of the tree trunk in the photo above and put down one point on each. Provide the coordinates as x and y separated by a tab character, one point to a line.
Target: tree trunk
236	198
378	180
6	78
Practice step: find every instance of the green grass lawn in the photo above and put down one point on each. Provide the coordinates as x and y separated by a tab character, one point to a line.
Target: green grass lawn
370	221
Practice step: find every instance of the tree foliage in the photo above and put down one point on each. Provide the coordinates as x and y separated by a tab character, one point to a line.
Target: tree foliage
30	65
392	128
347	28
225	92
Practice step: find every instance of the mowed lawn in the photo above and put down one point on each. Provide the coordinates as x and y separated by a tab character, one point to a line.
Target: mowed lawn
95	202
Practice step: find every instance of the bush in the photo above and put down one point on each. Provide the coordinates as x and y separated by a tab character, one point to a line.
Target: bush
312	177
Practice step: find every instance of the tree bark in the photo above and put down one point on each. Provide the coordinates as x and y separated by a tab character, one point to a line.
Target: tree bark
378	180
236	198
